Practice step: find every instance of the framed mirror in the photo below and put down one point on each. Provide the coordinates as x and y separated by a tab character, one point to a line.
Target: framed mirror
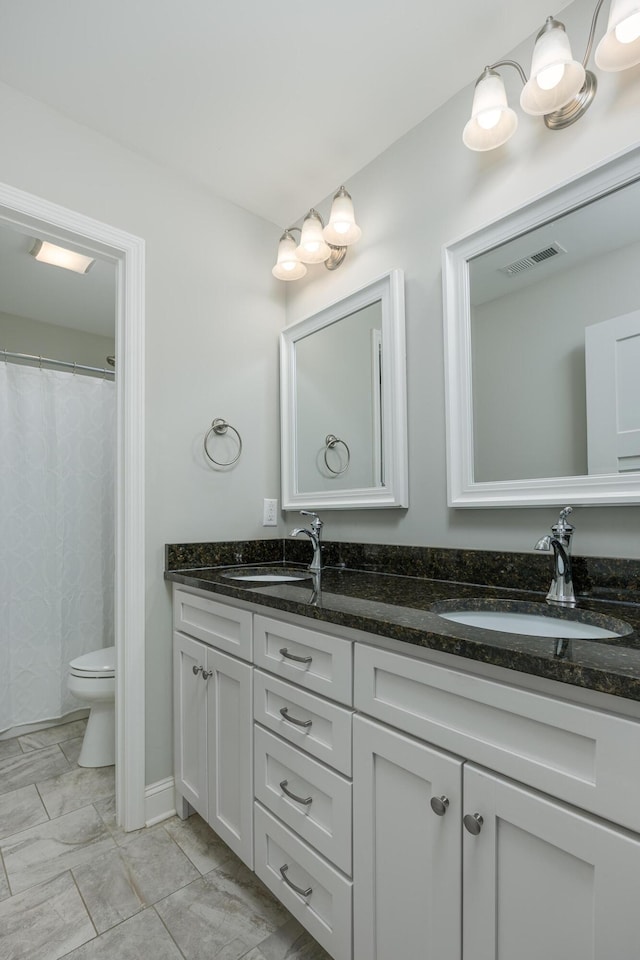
343	402
542	349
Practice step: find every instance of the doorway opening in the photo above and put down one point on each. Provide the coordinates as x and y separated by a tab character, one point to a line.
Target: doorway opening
30	214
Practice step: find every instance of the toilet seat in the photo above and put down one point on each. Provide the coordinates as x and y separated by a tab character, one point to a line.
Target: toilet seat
98	663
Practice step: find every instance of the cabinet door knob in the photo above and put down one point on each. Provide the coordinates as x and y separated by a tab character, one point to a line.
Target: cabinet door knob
206	674
305	800
284	712
291	656
439	805
298	890
197	670
473	823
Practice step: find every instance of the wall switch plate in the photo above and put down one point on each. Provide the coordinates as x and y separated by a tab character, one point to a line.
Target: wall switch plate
270	513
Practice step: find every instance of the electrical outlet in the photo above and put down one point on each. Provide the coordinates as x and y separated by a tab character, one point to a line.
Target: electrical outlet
270	513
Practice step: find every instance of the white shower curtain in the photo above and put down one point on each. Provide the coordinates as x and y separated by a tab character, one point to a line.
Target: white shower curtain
57	457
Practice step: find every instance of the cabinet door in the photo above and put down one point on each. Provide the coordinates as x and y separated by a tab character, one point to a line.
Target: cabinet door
407	859
230	752
190	722
542	879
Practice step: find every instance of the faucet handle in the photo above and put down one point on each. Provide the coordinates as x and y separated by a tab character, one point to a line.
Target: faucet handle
562	527
316	522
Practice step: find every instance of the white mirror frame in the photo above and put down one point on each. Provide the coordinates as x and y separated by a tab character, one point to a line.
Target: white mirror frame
463	491
389	290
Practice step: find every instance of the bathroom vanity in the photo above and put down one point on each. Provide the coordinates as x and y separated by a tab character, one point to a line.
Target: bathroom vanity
396	778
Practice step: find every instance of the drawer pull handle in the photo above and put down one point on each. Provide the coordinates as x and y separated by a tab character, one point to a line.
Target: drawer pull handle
302	893
291	656
305	800
439	805
473	823
197	670
284	711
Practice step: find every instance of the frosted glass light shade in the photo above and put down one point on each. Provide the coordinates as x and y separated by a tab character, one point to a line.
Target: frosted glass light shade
47	252
492	121
556	77
288	267
342	229
620	46
312	247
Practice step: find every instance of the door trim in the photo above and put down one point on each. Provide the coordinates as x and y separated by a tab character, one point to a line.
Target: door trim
127	253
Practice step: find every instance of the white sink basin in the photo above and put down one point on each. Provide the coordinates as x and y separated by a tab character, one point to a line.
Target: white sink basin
267	577
530	624
267	574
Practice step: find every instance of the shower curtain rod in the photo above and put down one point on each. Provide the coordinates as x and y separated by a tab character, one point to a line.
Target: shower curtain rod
48	361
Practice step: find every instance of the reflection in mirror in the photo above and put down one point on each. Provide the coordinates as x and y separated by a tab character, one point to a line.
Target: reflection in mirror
534	301
343	399
543	349
349	412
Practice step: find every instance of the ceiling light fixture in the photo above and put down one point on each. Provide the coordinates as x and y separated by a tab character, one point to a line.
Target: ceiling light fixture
560	89
47	252
318	244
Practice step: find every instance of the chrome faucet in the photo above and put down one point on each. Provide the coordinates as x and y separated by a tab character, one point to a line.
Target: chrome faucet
314	535
561	590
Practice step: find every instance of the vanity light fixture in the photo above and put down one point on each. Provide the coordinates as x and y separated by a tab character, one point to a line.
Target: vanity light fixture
318	243
560	88
49	253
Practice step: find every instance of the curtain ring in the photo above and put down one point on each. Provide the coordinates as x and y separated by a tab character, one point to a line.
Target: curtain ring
219	427
331	442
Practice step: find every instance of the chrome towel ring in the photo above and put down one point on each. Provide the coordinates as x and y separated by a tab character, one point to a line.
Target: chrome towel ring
331	442
219	428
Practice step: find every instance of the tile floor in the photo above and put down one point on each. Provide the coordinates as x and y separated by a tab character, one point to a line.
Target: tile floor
73	884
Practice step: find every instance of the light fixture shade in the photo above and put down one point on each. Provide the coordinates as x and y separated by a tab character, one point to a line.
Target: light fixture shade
342	229
56	256
492	121
312	247
620	46
556	77
288	267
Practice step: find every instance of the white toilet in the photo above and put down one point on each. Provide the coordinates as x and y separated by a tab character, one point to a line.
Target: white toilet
92	679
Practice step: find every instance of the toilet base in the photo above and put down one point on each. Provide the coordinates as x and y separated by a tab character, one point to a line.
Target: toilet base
99	743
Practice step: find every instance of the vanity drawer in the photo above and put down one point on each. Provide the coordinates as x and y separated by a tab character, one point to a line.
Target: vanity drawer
221	626
323	903
325	664
326	733
572	752
324	820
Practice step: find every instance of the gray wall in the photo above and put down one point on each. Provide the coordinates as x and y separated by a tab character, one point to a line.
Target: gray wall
24	335
423	192
213	315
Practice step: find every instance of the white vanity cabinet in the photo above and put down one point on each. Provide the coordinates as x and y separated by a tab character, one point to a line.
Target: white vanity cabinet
538	877
407	885
303	764
213	729
403	808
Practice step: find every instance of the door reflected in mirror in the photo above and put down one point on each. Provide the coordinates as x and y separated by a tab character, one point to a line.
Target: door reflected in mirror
343	402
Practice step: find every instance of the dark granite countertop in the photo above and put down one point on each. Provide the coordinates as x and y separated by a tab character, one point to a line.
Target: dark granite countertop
401	607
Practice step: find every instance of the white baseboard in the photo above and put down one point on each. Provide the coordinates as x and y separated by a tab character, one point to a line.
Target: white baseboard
159	801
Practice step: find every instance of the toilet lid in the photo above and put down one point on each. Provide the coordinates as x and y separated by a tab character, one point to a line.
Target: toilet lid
99	663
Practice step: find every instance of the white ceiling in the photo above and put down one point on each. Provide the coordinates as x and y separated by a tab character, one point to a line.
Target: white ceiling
271	104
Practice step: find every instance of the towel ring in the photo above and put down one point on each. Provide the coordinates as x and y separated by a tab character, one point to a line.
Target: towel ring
219	427
331	442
